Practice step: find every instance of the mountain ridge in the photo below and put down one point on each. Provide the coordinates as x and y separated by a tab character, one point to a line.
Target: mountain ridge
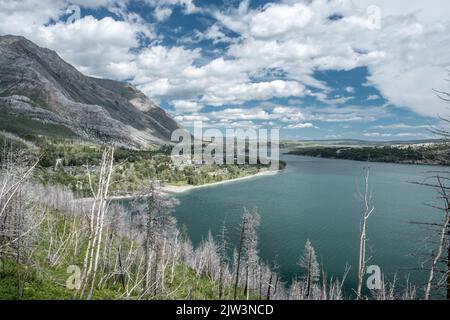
38	85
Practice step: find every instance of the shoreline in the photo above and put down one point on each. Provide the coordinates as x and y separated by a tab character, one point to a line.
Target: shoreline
431	164
182	189
171	189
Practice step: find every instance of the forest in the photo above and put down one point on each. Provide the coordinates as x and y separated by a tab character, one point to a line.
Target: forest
65	162
434	154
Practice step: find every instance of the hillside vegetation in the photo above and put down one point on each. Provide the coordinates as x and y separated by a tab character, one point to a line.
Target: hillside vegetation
66	162
433	154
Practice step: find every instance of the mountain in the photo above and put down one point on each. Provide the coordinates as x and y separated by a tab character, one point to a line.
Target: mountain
358	143
40	93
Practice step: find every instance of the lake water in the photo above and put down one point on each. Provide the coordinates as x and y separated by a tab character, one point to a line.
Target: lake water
318	199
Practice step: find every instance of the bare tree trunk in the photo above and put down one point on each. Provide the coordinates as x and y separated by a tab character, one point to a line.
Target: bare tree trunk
441	247
269	286
99	208
308	277
448	273
368	209
222	257
260	281
277	279
147	248
238	266
18	217
246	291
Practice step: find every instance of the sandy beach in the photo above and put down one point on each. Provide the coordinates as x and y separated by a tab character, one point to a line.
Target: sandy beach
181	189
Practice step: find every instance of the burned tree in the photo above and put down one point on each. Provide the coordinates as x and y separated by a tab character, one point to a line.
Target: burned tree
367	211
223	261
309	263
247	251
96	223
20	214
439	263
158	232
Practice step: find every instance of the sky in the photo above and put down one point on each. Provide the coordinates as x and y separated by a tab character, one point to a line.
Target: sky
315	69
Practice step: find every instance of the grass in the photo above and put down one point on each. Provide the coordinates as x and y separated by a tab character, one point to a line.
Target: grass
40	281
29	128
46	283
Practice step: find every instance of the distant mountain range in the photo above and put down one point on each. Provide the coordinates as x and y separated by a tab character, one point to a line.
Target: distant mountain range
41	94
356	142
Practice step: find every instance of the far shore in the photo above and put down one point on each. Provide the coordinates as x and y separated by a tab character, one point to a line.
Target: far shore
171	189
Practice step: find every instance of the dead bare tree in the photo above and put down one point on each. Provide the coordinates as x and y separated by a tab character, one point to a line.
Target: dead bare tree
239	254
440	256
152	210
247	247
20	215
251	254
223	261
309	262
208	260
367	211
96	223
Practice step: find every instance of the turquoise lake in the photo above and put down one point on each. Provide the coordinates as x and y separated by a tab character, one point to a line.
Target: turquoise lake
318	199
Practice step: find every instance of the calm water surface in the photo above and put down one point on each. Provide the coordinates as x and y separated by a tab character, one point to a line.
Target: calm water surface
318	199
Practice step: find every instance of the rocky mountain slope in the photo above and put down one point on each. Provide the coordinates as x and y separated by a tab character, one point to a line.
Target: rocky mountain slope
40	93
